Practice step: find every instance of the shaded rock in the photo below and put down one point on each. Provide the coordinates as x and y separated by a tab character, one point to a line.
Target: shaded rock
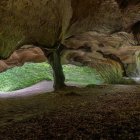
136	31
120	47
3	66
25	54
106	30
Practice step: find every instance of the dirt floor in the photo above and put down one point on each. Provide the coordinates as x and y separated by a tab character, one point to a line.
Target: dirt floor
98	113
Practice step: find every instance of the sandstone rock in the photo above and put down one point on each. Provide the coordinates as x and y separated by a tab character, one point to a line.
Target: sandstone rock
70	17
3	66
19	57
119	47
114	27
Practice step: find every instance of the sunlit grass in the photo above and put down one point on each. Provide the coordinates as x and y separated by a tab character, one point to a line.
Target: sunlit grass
30	73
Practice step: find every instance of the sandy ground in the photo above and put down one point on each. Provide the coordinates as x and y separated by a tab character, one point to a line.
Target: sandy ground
108	112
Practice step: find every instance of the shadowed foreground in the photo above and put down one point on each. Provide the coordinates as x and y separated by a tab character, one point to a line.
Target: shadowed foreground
103	112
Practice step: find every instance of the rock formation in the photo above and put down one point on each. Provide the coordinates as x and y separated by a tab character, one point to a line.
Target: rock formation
113	29
19	57
92	47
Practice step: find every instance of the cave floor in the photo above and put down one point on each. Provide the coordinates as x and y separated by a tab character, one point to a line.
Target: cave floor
107	112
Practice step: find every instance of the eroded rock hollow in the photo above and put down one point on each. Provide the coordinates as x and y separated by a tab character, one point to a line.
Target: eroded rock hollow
113	31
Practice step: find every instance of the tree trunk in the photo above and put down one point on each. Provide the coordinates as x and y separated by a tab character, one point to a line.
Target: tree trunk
55	62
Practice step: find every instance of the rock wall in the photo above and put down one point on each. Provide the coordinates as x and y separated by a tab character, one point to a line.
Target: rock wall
19	57
94	47
48	21
92	30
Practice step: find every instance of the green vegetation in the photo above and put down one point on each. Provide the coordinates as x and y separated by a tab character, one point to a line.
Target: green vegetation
112	73
30	73
56	21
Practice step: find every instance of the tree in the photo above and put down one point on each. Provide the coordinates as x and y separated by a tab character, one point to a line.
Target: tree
47	23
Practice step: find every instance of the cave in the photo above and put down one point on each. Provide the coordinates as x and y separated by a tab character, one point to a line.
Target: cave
69	70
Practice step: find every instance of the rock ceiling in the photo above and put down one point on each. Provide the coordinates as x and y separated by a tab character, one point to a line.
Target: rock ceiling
115	29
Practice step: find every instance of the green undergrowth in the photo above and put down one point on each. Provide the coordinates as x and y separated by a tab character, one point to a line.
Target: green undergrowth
32	73
112	73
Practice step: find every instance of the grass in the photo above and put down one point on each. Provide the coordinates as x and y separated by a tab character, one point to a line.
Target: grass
111	72
31	73
81	75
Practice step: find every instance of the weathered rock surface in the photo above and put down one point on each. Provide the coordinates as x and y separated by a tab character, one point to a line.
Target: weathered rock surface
113	25
85	49
70	17
19	57
94	47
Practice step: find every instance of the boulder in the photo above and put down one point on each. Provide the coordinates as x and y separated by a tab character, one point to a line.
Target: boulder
19	57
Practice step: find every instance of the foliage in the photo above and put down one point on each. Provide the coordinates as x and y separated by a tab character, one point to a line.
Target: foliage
81	75
111	73
27	75
30	73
